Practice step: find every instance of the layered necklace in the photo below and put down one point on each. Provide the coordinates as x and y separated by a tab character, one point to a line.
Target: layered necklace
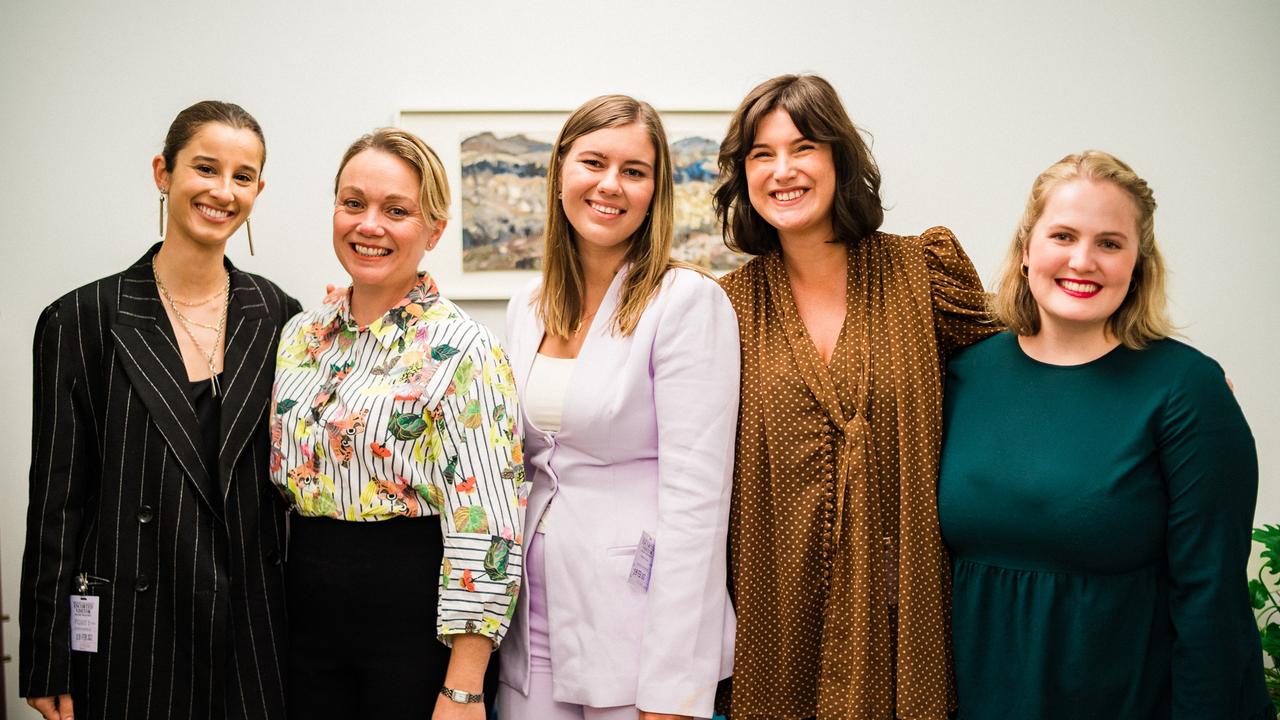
187	323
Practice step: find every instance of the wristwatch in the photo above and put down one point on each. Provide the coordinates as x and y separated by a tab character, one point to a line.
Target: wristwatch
460	696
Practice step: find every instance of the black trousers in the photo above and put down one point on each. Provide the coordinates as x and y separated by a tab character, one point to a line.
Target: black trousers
362	619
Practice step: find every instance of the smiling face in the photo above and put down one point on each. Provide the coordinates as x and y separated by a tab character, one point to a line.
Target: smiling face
212	185
1081	254
379	230
606	185
791	179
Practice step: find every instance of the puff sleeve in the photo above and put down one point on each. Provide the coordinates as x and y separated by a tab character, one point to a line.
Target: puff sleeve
959	304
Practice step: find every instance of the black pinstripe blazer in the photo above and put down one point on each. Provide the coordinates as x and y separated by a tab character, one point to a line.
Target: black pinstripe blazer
192	620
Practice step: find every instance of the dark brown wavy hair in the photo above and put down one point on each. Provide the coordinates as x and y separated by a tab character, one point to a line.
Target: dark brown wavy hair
818	114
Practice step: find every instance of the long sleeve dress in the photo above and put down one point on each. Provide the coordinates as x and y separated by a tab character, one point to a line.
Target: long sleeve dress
1099	519
836	566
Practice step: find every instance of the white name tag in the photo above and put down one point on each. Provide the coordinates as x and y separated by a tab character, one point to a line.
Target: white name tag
642	564
84	623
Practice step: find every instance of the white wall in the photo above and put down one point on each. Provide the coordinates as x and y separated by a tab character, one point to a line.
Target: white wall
967	102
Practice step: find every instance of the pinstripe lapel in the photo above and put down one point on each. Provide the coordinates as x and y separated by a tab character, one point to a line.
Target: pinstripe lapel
150	357
248	371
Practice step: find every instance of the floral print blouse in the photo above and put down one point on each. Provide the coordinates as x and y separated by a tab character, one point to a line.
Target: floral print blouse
413	415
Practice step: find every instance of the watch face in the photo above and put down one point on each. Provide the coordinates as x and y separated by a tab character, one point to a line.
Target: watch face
461	696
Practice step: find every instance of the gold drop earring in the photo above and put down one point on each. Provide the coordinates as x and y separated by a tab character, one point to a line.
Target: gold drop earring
248	228
162	194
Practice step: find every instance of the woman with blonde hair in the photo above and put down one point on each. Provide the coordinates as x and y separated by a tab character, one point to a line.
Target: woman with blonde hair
1098	481
627	369
395	440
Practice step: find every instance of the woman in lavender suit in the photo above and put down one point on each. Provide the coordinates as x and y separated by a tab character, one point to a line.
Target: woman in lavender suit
627	367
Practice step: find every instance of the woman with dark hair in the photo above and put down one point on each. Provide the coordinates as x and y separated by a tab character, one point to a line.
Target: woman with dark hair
152	583
625	612
395	436
837	570
1098	481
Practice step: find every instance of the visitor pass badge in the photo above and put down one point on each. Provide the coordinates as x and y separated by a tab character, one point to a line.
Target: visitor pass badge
642	564
84	623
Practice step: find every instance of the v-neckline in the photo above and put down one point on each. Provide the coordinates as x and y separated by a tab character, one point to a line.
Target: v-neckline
606	310
817	374
777	269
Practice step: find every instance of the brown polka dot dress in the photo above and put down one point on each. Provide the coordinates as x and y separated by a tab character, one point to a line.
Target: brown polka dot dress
837	568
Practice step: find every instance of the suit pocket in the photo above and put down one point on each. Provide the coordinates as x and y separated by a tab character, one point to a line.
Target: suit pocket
621	551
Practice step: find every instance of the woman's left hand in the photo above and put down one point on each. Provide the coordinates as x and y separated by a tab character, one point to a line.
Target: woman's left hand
663	716
447	709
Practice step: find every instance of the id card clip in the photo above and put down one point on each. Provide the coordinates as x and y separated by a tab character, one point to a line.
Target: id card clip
84	614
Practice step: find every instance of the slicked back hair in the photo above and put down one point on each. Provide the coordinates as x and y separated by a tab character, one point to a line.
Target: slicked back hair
188	122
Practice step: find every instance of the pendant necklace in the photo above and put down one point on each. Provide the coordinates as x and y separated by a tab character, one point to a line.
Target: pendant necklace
187	322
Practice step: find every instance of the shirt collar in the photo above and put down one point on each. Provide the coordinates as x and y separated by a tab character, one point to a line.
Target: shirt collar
395	323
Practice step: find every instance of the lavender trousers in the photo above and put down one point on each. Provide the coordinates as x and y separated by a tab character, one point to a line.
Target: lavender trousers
539	705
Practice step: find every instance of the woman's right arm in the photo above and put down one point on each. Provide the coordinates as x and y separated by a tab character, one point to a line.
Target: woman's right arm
63	452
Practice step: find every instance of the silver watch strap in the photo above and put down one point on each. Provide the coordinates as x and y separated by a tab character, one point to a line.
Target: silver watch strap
461	696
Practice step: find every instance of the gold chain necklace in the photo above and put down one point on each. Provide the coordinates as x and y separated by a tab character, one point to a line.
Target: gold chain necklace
206	301
186	323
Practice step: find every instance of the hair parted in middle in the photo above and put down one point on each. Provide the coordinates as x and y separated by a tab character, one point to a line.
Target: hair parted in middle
433	188
816	110
1142	316
559	301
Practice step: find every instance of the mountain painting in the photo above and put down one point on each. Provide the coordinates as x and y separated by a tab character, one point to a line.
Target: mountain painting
504	201
504	196
697	238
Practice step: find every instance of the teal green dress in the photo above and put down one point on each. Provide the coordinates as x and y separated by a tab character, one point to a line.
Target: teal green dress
1098	517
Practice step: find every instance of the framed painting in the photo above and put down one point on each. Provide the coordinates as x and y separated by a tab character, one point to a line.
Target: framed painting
497	165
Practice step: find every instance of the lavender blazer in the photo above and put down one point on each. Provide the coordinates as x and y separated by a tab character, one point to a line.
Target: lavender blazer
646	445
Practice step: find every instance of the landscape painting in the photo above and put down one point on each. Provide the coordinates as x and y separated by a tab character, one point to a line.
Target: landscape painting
697	238
504	201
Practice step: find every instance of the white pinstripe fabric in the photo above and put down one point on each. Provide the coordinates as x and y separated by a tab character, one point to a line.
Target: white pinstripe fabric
439	366
191	622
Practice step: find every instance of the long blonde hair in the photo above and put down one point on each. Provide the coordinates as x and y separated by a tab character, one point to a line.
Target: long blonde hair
1143	316
559	303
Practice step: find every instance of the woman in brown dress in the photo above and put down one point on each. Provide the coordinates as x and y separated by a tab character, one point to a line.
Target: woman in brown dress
836	565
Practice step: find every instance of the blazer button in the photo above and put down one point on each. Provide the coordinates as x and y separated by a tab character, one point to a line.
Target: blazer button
142	584
145	514
273	557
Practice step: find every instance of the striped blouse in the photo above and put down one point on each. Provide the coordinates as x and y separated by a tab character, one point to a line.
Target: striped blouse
414	415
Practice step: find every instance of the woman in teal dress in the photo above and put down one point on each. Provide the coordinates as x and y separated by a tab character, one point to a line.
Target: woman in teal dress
1098	481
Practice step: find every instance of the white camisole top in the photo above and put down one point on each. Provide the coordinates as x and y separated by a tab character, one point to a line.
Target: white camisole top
546	389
